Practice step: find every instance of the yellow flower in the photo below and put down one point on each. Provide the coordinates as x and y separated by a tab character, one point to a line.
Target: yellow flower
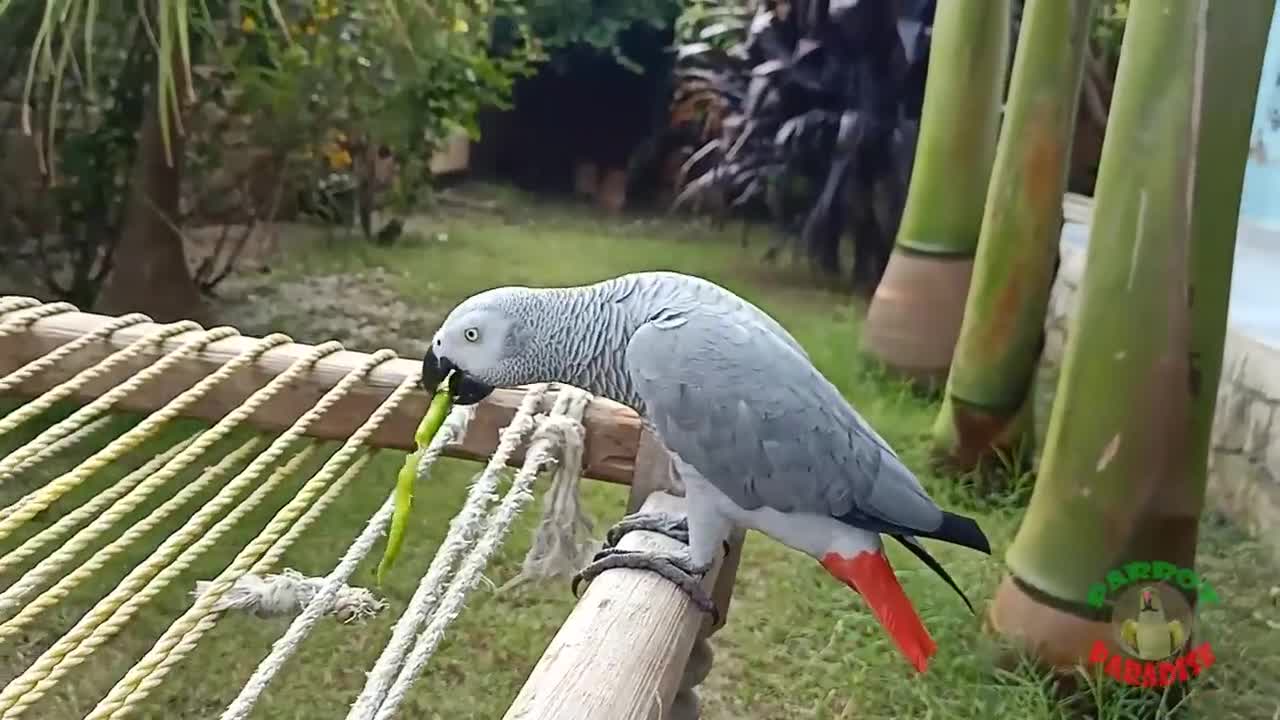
459	25
247	24
336	155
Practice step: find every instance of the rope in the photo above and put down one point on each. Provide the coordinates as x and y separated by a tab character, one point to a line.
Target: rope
462	530
563	429
185	632
561	543
475	534
287	646
51	359
290	592
65	389
73	519
12	597
24	318
68	651
57	448
181	636
10	303
34	502
110	614
151	669
134	498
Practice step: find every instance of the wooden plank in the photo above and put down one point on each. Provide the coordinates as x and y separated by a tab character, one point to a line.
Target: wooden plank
613	430
653	472
621	653
722	593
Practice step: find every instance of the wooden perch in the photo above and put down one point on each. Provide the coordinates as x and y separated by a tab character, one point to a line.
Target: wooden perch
621	653
613	430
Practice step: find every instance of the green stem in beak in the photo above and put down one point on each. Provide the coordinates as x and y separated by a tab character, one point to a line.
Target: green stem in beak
431	423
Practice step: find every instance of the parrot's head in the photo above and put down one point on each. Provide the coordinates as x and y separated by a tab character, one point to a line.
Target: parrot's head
488	341
1151	606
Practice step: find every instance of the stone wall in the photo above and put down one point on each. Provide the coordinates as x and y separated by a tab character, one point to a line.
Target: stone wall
1244	467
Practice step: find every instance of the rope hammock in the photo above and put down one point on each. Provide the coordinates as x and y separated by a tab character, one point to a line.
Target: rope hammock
241	478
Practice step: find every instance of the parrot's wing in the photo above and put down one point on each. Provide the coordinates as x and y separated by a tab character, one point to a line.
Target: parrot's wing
705	291
1176	633
1129	633
758	421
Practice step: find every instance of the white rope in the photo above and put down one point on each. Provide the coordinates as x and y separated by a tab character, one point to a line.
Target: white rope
290	592
562	429
320	604
562	543
462	531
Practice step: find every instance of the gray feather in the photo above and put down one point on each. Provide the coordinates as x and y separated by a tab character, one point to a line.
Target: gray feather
749	411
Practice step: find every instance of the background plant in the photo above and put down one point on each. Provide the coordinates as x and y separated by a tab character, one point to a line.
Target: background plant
807	112
275	80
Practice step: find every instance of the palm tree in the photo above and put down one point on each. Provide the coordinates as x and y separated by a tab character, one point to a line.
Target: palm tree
915	314
1124	467
986	406
148	267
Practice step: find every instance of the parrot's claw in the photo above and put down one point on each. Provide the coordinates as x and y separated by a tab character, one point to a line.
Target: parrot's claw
679	569
675	527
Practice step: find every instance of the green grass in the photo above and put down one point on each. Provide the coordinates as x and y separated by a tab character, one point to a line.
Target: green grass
798	644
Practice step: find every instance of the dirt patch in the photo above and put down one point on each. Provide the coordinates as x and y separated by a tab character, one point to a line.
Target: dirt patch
361	310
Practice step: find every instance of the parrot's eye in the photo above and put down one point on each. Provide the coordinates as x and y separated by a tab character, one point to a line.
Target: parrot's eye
471	334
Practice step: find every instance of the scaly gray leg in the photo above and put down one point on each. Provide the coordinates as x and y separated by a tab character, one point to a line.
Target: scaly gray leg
675	527
679	568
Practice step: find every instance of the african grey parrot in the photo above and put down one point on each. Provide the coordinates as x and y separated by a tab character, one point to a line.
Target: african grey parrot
759	437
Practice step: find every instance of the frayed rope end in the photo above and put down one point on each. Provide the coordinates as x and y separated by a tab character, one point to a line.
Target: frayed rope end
288	593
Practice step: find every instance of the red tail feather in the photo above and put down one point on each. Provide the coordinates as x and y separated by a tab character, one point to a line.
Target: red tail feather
869	573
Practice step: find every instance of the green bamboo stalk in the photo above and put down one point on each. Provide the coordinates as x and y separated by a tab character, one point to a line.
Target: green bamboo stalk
1124	469
915	316
987	407
958	127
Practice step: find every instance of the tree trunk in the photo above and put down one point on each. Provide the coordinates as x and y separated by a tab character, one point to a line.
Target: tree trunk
151	274
986	410
1124	468
915	314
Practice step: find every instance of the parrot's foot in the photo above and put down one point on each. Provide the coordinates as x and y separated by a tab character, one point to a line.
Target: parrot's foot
678	568
675	527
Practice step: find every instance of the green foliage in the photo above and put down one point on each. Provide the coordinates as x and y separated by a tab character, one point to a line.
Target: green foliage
86	131
1108	28
719	23
335	67
598	24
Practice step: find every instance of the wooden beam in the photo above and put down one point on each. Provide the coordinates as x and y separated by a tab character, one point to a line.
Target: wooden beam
654	472
613	430
621	653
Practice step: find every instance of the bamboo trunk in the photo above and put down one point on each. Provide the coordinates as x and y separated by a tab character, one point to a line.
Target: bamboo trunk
1124	468
986	409
915	314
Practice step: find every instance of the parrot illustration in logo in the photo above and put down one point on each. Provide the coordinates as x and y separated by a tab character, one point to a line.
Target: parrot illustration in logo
1151	636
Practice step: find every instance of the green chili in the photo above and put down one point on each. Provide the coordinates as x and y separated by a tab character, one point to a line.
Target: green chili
441	401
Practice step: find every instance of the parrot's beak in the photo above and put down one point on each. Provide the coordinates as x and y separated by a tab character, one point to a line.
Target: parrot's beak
465	389
1146	600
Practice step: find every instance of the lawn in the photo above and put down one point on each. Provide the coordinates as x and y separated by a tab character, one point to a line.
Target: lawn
797	645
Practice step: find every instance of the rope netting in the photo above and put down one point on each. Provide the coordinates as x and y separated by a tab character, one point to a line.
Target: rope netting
233	473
